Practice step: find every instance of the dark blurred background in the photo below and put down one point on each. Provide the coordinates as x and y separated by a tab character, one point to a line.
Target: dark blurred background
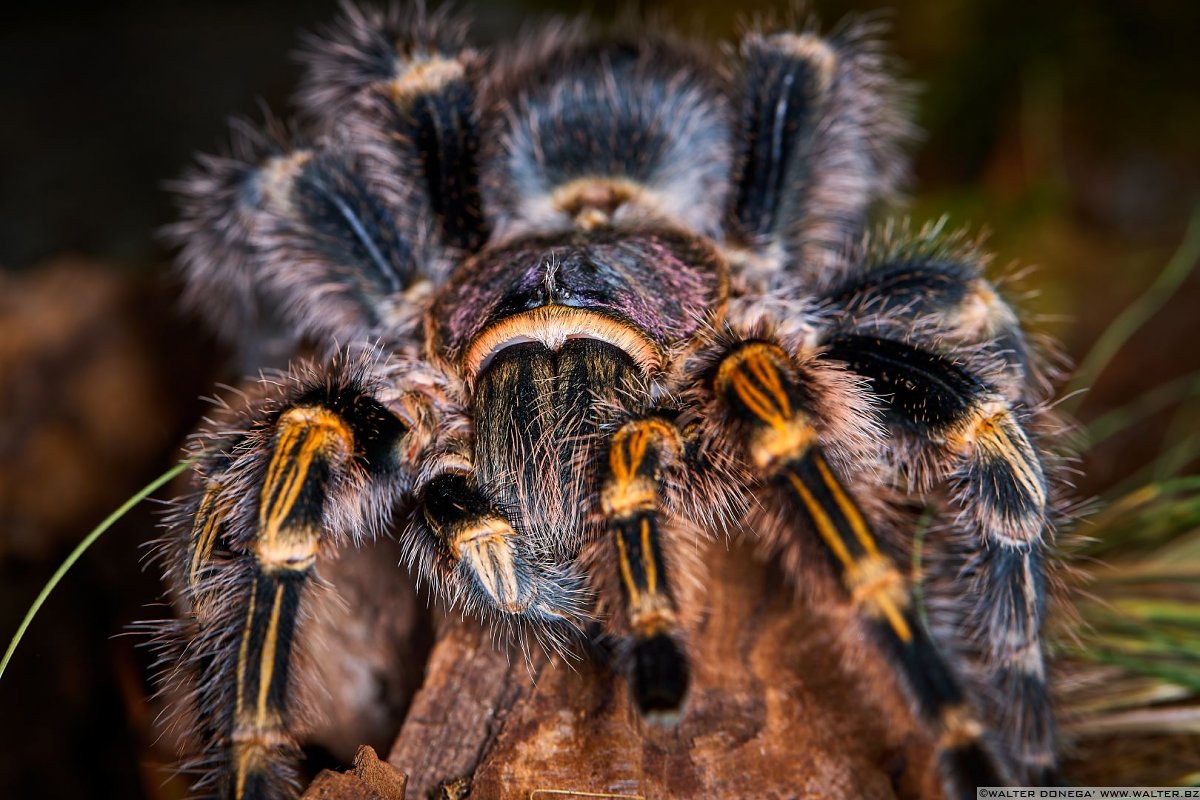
1069	130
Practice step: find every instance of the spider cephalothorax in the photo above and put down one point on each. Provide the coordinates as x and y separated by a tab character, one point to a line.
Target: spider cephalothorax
568	296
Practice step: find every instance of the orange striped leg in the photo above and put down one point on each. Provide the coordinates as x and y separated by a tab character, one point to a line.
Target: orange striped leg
255	539
978	446
637	456
310	443
760	388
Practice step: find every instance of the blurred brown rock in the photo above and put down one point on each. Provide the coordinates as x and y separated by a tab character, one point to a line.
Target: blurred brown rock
90	397
99	383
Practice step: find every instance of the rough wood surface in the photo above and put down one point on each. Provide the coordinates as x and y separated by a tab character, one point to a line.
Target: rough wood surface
370	778
785	702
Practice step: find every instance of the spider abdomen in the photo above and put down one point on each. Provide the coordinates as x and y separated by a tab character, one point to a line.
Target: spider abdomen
608	132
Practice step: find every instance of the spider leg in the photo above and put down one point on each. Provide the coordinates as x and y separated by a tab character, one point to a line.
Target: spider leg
399	85
821	123
933	283
631	499
768	402
970	435
343	229
311	470
325	464
316	231
469	549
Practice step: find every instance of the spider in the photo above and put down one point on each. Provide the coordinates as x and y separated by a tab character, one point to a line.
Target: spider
557	310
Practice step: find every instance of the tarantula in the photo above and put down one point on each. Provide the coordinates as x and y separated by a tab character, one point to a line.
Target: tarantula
568	296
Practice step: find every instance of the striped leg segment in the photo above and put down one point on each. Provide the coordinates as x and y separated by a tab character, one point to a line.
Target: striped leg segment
330	234
756	383
325	466
321	235
935	281
821	128
273	500
965	305
260	741
310	445
630	499
788	77
208	529
928	395
997	475
878	589
397	84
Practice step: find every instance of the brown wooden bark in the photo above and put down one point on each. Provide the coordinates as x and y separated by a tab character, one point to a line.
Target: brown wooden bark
785	702
370	778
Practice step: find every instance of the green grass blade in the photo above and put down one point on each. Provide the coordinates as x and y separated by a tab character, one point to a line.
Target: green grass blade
1120	419
70	560
1138	313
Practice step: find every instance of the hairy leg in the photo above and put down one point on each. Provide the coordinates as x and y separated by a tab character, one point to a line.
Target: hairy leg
776	412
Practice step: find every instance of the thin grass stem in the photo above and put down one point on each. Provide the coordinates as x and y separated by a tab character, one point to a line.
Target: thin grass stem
82	547
1139	312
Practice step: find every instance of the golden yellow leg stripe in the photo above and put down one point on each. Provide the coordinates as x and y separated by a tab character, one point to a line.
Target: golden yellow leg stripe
754	375
627	455
244	651
627	572
633	485
649	607
869	577
629	446
627	452
478	534
208	519
491	558
757	402
992	433
824	527
303	435
648	559
1000	437
253	754
767	373
266	659
630	499
267	663
258	730
243	758
249	757
849	511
